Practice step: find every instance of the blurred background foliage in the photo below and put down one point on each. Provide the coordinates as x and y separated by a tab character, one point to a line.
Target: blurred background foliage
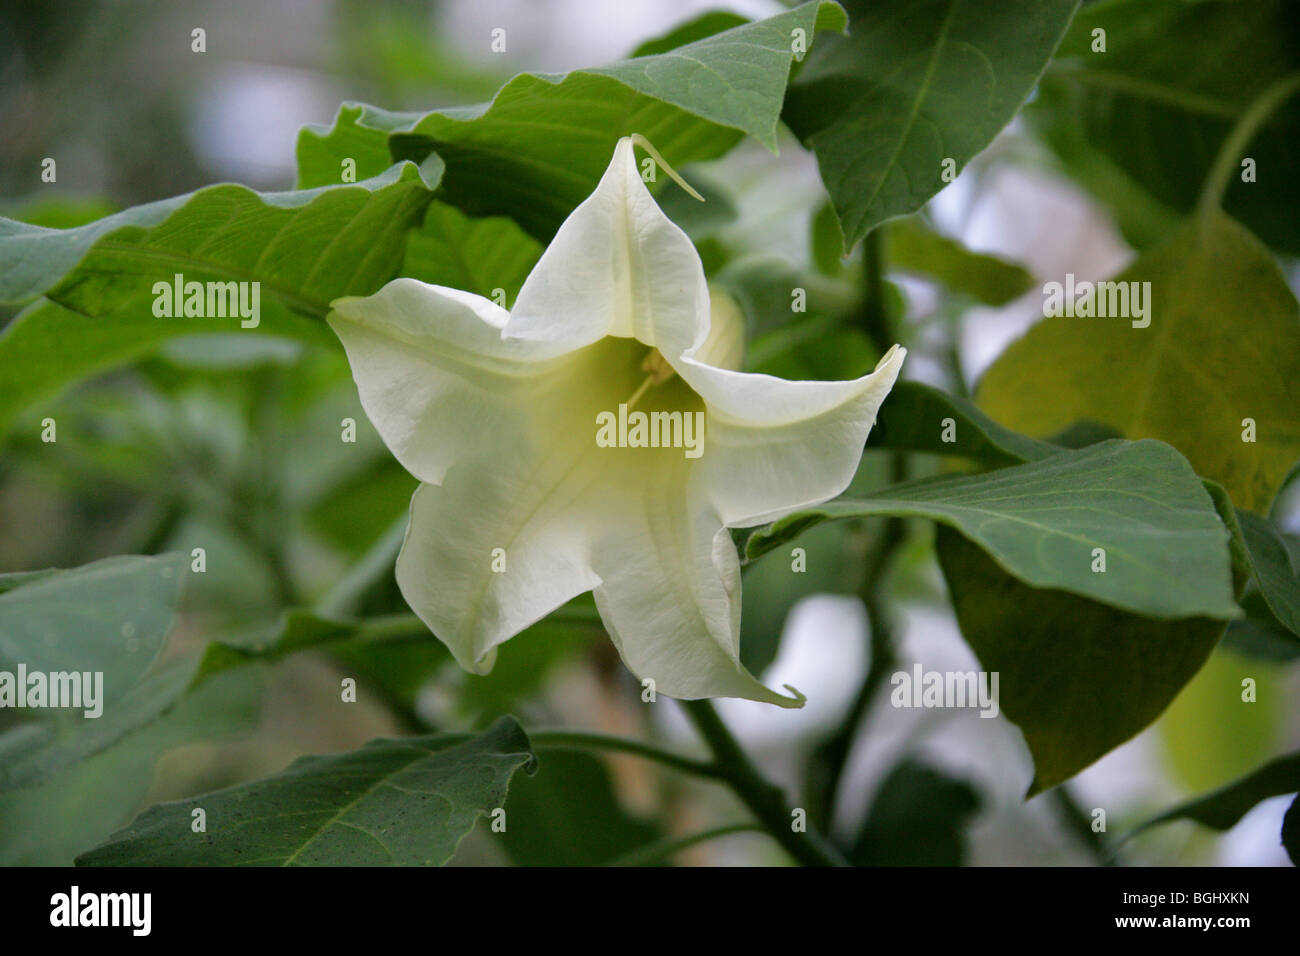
233	445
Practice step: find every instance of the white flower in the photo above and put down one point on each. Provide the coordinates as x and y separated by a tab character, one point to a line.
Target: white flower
507	418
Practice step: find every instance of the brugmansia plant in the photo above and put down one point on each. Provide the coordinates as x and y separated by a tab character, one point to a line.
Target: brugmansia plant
496	388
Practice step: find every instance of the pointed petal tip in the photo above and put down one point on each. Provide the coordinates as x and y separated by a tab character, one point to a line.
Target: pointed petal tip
791	703
891	359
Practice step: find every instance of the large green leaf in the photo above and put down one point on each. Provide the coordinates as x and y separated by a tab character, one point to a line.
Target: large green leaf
540	146
1273	560
916	83
546	827
705	25
477	255
1161	99
110	617
1209	734
916	418
1223	345
30	754
1166	551
1223	808
393	802
1077	676
1141	218
49	824
305	248
34	751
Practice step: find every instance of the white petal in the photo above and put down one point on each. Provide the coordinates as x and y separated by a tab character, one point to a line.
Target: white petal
617	266
435	377
670	591
524	487
451	574
773	446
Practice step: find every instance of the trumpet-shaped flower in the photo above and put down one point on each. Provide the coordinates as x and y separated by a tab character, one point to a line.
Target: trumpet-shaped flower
597	437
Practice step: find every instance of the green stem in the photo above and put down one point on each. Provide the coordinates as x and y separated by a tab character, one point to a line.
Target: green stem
389	627
1229	157
589	740
667	849
763	798
827	762
873	314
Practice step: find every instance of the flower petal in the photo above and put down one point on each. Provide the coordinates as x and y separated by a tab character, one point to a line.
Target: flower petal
472	596
670	590
617	266
437	380
774	446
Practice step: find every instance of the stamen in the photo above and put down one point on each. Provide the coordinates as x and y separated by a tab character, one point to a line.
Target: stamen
637	395
660	372
658	366
644	143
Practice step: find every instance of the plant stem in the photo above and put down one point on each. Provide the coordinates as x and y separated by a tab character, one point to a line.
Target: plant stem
590	740
763	798
827	762
666	849
873	314
394	627
1229	156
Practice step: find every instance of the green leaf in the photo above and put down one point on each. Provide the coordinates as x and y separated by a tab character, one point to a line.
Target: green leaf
476	255
826	241
705	25
918	818
305	248
1210	734
30	755
916	83
915	248
1190	378
1165	548
1223	809
33	752
547	828
915	418
1141	218
393	802
765	288
49	824
110	617
1274	567
1161	99
539	148
1078	677
297	630
355	146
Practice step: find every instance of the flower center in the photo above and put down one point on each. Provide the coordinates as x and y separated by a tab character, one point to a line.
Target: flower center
660	372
